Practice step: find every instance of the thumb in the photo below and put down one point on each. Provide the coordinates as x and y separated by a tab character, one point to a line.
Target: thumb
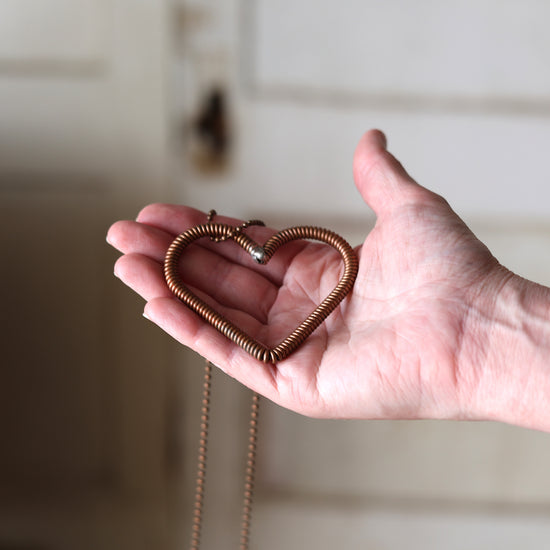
379	176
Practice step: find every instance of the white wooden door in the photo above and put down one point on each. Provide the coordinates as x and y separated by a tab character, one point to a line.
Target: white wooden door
82	381
462	90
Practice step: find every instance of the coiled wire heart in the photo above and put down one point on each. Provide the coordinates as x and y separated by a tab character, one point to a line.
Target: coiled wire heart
261	254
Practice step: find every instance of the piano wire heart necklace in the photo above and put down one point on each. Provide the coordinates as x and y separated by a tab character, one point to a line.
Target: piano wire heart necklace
260	254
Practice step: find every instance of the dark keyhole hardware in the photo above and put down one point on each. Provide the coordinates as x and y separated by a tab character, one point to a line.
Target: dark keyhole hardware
211	128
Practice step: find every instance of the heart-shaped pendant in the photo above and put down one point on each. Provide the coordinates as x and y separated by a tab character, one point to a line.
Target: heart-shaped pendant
261	254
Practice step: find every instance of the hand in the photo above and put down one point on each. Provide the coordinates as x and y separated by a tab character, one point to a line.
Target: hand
402	345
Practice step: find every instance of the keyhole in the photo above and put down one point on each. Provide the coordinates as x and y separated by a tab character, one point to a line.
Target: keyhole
210	131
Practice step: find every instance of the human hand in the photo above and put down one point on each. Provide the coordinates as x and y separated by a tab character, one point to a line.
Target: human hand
404	344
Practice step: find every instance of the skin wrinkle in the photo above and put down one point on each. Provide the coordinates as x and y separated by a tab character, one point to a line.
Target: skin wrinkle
346	342
452	346
485	316
494	325
359	361
298	386
397	370
484	389
324	268
235	351
285	312
459	380
331	276
272	372
315	379
387	385
312	388
297	285
460	347
266	305
284	309
533	328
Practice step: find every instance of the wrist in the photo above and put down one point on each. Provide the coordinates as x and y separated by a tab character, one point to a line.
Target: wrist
510	352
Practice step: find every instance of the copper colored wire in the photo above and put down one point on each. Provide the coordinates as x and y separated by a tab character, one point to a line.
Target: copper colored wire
201	461
250	474
262	254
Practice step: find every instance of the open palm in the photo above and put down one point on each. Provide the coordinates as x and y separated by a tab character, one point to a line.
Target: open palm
396	347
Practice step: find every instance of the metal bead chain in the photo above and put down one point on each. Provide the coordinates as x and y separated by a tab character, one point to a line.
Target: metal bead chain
201	461
237	229
250	474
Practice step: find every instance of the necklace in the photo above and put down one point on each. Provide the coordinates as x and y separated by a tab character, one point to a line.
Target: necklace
261	254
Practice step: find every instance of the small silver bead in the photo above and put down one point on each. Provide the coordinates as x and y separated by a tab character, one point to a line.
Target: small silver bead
258	253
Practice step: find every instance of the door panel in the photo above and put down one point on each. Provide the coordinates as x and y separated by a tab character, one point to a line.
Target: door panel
459	51
54	33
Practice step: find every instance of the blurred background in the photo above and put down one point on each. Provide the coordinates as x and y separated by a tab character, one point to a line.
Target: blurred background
252	107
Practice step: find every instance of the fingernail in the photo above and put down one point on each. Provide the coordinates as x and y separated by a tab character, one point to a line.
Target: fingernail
146	316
